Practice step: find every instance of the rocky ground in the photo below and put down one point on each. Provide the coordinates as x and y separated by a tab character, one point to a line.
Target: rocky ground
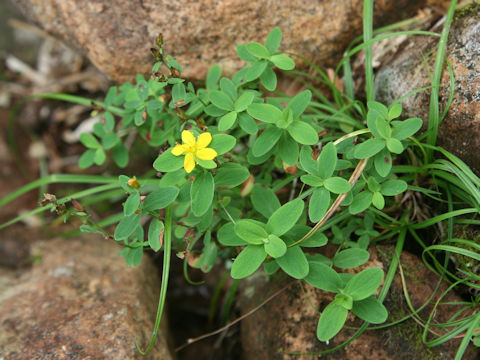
74	298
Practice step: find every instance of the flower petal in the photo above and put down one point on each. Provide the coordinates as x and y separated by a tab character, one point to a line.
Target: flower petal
179	150
188	137
206	154
204	140
189	163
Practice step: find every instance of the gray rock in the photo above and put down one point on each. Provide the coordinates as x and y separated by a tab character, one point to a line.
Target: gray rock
411	69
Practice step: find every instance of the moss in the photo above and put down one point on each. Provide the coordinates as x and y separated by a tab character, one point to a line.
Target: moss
472	9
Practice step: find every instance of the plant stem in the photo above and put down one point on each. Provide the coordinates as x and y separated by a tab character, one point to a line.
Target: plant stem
367	36
165	272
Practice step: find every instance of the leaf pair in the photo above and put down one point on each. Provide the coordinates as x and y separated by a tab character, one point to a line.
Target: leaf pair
354	294
262	59
388	135
263	239
320	176
286	129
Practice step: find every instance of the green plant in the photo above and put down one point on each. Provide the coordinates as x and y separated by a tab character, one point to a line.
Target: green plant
221	188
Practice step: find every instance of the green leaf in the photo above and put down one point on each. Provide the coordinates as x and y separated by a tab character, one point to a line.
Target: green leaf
264	112
266	141
323	277
360	202
155	232
371	310
257	160
212	110
251	232
286	120
255	70
383	128
207	164
316	240
319	204
327	161
221	143
243	101
283	62
273	40
229	88
394	145
288	149
109	140
120	155
178	92
394	111
167	162
383	162
406	128
337	185
369	148
227	121
244	54
303	133
373	184
331	321
275	247
378	108
350	258
231	175
132	203
285	217
364	284
213	76
172	178
201	193
90	230
207	260
269	79
312	180
294	262
378	201
99	157
307	161
221	100
271	267
126	226
160	198
134	256
227	236
264	200
248	261
247	123
258	50
393	187
89	141
299	103
86	160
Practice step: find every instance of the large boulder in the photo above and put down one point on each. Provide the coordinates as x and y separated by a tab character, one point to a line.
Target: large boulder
79	301
411	69
285	327
117	37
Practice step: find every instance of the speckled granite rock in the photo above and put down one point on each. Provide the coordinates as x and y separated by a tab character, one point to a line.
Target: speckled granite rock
79	302
411	69
286	326
199	34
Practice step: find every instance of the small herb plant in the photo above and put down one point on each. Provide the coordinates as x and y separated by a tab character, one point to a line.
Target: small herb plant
247	173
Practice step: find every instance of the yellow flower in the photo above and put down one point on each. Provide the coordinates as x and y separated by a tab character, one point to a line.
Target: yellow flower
194	150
